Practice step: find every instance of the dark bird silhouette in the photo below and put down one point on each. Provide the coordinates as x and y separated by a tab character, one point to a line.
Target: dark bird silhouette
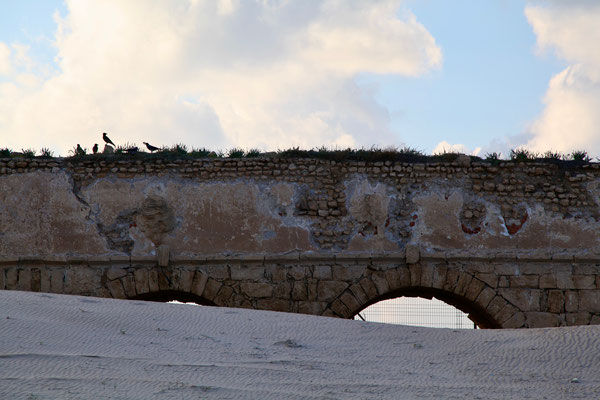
107	139
150	147
80	151
95	148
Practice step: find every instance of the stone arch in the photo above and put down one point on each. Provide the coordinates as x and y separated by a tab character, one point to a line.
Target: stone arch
449	283
473	310
161	284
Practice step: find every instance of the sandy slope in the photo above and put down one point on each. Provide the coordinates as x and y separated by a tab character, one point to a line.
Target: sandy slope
69	347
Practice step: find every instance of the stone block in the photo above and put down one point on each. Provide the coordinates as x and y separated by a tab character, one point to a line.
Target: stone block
571	301
579	318
524	281
490	280
220	272
506	269
298	272
224	295
273	305
369	288
584	281
556	301
199	282
44	280
415	274
474	289
115	273
186	279
116	289
36	280
589	300
547	281
534	268
165	277
247	272
506	313
524	299
595	320
24	279
322	272
503	282
276	273
451	279
153	280
312	290
586	269
311	307
413	253
128	285
564	280
140	275
462	284
495	306
256	290
426	276
359	293
534	319
340	309
439	276
57	281
329	290
484	298
283	290
300	291
380	282
348	273
211	289
393	279
515	322
163	255
350	301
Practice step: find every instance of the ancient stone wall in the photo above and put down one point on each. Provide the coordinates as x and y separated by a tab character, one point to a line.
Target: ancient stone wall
514	244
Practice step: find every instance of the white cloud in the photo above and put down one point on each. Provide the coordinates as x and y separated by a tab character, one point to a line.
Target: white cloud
5	64
570	119
445	147
259	73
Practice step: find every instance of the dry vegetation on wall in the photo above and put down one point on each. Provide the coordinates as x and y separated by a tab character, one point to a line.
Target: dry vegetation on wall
404	154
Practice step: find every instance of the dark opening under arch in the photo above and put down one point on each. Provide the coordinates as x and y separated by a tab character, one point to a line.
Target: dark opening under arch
165	296
475	313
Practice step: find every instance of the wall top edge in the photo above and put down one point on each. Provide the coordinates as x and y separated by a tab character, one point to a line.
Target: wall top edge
300	257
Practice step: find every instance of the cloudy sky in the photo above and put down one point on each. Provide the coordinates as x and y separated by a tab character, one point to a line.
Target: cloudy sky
469	75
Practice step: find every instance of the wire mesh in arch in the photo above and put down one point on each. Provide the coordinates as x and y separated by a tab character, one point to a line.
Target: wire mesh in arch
417	312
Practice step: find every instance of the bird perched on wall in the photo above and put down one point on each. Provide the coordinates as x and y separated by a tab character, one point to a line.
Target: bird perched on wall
150	147
79	150
95	148
107	139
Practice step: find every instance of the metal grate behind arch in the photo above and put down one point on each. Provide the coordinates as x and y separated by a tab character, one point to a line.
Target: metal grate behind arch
416	311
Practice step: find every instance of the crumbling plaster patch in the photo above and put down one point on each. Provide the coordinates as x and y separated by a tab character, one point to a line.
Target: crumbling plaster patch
43	215
210	217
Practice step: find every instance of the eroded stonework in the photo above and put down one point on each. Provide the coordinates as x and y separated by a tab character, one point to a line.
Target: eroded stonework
84	223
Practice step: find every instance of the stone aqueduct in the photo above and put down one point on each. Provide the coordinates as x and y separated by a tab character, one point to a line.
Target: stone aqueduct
515	245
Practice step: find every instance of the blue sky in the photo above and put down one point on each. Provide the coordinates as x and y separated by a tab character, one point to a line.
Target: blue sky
468	75
491	84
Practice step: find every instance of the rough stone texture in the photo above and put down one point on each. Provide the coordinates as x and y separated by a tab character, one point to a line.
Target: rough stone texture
513	244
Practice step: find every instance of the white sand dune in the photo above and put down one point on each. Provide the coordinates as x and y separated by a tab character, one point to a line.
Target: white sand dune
70	347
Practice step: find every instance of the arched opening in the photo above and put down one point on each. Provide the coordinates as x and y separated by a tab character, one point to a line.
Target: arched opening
452	310
166	296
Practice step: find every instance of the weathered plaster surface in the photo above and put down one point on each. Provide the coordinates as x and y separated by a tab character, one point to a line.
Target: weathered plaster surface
515	244
40	214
